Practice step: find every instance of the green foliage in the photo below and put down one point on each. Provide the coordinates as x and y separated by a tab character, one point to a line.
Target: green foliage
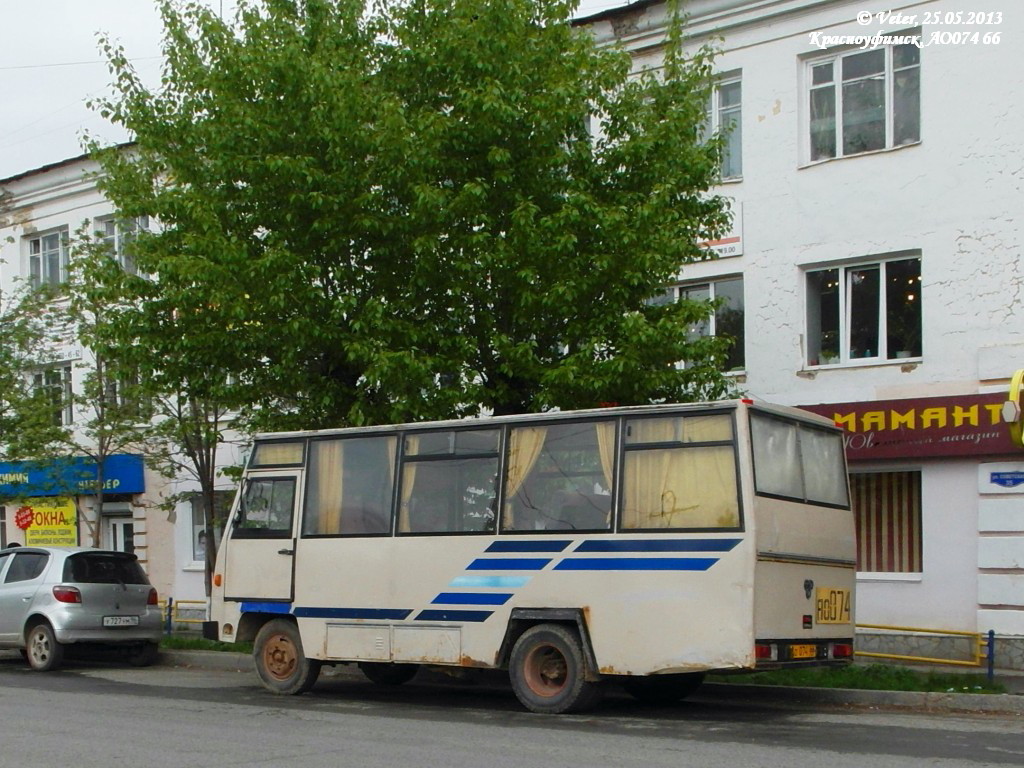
398	212
27	425
875	677
197	643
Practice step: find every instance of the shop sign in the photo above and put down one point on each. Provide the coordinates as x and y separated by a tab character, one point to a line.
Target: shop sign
48	522
926	427
123	473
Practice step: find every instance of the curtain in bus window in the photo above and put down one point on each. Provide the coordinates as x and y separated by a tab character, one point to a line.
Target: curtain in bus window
271	454
323	506
524	447
776	467
821	454
606	446
887	509
680	488
412	443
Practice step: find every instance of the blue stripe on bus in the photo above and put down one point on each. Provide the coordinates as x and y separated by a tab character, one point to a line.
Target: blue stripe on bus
551	545
636	564
445	615
472	598
657	545
255	607
508	564
353	613
506	582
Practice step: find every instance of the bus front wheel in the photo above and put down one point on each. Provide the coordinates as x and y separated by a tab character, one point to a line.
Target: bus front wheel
280	663
547	669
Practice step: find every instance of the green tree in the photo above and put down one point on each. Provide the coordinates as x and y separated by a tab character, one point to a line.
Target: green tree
389	212
189	411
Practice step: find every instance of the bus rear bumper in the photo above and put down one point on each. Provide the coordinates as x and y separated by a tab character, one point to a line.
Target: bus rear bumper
778	654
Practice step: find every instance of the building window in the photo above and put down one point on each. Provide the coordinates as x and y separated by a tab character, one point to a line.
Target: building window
727	319
54	385
863	101
887	509
722	114
221	506
118	235
48	259
866	311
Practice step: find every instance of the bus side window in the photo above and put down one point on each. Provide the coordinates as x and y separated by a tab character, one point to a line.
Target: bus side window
559	477
350	487
267	508
449	482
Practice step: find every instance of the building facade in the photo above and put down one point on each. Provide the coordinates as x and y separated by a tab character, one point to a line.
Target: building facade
876	172
51	505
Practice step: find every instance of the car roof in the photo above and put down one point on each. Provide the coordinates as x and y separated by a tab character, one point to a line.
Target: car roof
66	551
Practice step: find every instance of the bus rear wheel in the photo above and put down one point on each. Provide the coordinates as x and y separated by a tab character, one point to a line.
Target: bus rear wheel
280	663
663	689
548	671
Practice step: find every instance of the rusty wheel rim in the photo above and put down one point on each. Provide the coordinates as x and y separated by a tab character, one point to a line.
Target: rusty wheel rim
546	671
280	657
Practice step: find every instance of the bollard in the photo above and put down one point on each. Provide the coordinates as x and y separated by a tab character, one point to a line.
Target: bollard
168	625
991	656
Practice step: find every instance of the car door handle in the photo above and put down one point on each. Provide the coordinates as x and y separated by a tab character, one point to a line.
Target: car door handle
286	551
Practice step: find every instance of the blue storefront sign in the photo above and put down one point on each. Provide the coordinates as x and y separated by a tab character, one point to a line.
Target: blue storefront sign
121	474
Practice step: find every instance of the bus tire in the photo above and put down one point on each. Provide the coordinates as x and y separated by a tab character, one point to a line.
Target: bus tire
386	673
662	690
548	671
280	663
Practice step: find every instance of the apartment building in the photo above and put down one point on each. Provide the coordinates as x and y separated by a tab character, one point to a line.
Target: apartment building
49	506
873	273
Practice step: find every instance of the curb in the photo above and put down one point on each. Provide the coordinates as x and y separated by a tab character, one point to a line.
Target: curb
1000	703
993	703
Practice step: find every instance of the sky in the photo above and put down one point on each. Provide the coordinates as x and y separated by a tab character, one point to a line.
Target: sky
50	65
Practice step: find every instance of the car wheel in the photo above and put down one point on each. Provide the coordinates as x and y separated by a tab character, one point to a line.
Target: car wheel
144	655
43	652
383	673
661	690
280	663
547	670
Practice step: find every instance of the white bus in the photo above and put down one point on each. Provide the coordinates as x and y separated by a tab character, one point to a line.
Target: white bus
645	545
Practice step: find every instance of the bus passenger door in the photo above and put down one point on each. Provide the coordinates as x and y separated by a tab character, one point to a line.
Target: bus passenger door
260	557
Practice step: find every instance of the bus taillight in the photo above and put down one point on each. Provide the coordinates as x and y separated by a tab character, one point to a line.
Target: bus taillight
842	650
766	652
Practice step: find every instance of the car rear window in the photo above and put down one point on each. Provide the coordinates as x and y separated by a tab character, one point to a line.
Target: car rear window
96	568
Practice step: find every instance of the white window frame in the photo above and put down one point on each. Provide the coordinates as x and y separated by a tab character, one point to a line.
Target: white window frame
881	355
40	249
118	234
889	74
65	408
716	115
675	292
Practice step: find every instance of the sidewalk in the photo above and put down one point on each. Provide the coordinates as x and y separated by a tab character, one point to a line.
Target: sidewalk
1011	703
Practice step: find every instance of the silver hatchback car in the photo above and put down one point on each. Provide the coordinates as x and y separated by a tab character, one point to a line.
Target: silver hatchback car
53	597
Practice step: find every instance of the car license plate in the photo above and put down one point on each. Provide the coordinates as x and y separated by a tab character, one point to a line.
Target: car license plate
803	651
832	606
120	621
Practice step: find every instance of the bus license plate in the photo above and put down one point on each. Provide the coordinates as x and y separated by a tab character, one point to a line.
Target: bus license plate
832	606
120	621
803	651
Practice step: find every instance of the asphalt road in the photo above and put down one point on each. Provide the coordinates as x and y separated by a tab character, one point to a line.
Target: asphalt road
95	714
